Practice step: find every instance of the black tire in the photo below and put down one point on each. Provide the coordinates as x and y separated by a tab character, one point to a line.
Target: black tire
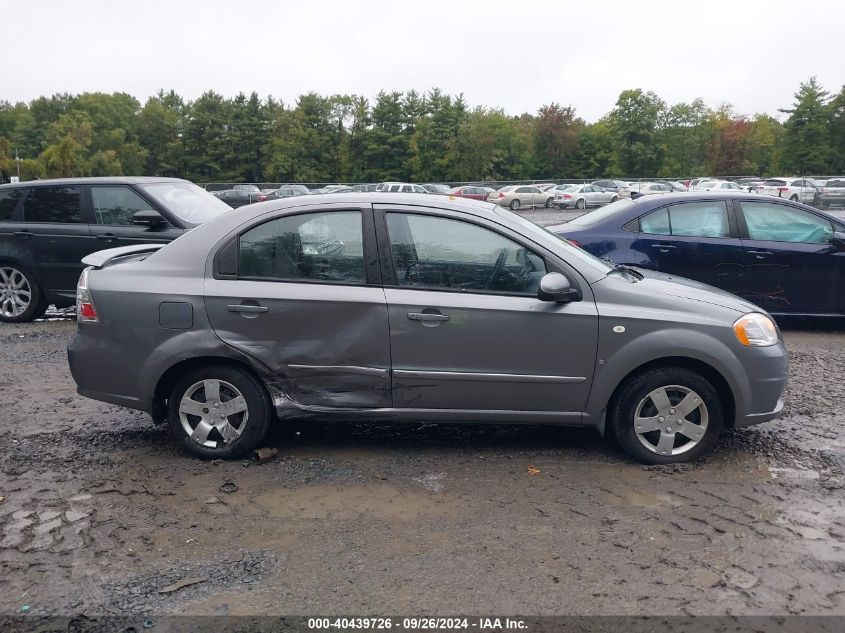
622	410
515	204
549	202
614	199
37	303
259	412
581	204
794	198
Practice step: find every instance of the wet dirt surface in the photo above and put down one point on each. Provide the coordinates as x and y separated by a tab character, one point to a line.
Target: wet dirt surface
101	512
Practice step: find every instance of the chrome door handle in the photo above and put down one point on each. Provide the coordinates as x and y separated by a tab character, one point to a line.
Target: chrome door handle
759	254
424	316
252	309
107	237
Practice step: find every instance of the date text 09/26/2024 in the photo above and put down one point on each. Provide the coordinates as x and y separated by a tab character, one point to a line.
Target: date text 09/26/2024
415	623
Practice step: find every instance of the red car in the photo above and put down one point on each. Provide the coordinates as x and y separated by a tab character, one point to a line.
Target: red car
470	191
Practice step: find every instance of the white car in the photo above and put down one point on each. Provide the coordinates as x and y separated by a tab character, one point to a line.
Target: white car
717	185
403	187
638	189
795	189
583	196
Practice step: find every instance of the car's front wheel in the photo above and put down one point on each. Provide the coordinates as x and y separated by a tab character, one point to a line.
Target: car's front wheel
219	412
21	299
666	415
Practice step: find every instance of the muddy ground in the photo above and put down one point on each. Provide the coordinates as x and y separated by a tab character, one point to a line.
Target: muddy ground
101	512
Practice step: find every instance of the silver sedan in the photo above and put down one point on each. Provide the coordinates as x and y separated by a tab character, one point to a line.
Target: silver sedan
409	307
583	196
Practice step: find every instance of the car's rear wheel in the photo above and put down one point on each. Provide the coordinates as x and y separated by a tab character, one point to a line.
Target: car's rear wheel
794	198
666	415
581	204
219	412
614	199
514	205
21	299
549	202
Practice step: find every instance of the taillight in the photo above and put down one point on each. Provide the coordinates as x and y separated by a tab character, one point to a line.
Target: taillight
261	198
783	189
85	310
567	196
501	195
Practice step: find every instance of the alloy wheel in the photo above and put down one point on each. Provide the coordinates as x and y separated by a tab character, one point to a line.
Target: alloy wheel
213	413
15	292
671	420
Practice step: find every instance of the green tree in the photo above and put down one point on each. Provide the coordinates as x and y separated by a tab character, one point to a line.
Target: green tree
635	119
556	138
806	143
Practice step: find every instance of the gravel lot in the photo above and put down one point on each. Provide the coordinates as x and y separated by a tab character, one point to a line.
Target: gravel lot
101	512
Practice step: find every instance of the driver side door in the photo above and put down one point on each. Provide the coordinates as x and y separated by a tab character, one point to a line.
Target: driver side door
467	331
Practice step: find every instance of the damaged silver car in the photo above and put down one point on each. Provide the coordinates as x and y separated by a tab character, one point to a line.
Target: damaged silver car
408	307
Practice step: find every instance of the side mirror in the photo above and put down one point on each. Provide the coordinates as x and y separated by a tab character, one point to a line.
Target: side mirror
149	218
838	240
555	287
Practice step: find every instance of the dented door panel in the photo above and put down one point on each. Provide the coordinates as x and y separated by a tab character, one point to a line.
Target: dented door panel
328	343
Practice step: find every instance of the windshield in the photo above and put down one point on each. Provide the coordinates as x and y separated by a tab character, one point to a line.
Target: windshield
188	202
602	213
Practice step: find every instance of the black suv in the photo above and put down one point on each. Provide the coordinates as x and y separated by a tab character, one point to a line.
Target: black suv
48	226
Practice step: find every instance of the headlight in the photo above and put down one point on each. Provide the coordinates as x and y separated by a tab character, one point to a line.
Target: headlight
756	330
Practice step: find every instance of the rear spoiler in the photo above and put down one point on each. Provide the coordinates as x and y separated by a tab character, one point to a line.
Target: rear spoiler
101	258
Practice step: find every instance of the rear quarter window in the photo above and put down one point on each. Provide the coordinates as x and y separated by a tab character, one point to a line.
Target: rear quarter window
8	203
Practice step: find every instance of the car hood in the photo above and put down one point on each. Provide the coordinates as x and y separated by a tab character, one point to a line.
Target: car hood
657	283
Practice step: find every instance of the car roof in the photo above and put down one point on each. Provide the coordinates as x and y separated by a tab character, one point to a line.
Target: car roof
93	180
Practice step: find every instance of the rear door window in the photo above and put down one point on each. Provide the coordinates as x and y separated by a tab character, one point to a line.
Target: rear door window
53	204
9	202
700	219
315	247
656	222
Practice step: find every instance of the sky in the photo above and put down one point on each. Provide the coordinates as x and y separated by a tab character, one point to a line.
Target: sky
516	54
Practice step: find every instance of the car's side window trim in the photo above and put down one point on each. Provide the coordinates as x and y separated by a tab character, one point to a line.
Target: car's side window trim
390	279
372	269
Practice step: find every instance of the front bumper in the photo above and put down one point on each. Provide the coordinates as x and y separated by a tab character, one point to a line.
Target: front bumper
767	371
751	419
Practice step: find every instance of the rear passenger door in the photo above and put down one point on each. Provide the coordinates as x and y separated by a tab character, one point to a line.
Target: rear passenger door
697	240
302	294
54	222
112	207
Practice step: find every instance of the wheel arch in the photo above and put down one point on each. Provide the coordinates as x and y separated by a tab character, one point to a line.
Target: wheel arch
172	374
713	375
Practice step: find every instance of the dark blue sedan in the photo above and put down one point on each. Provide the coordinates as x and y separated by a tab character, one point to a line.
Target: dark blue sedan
784	256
